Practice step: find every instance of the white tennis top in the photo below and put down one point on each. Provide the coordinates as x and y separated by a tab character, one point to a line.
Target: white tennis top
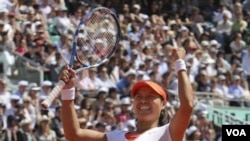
155	134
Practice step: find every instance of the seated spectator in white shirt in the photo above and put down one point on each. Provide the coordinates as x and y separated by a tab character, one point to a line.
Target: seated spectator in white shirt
22	85
224	26
6	59
221	58
105	80
174	84
4	94
134	34
236	91
163	66
133	58
91	82
238	44
46	88
217	94
14	100
218	16
45	7
156	66
63	23
221	84
208	63
29	110
194	63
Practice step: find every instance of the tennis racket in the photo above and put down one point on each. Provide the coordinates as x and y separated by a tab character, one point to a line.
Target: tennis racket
97	35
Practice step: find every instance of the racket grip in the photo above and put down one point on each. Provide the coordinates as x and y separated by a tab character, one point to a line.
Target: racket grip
53	94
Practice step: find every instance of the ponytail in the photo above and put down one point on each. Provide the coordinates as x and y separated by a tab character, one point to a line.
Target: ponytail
164	118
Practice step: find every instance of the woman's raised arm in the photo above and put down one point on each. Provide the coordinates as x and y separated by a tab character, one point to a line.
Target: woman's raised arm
181	119
71	126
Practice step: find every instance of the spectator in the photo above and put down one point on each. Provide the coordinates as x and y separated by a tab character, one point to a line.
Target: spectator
125	83
114	97
203	82
104	77
38	15
3	135
7	60
45	8
63	22
215	90
209	135
55	67
224	26
25	132
22	86
20	42
196	17
98	105
56	124
29	111
222	12
236	91
239	24
101	127
90	83
46	88
34	93
14	99
123	116
44	131
237	46
4	93
12	127
193	134
75	19
222	85
83	123
3	115
202	122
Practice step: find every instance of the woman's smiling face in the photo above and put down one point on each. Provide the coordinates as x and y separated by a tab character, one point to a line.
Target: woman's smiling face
147	104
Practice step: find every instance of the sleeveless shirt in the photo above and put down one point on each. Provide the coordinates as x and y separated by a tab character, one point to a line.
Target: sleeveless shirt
154	134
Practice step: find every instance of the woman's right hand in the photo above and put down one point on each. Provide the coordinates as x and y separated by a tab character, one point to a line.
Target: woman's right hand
178	53
68	75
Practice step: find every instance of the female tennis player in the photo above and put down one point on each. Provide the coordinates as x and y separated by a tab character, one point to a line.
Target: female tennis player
148	106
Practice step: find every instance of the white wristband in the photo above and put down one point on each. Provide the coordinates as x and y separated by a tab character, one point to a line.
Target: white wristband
179	65
68	94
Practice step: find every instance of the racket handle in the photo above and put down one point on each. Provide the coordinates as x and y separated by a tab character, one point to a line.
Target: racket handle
53	94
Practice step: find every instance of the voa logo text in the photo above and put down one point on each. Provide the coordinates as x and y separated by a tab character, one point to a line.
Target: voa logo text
236	132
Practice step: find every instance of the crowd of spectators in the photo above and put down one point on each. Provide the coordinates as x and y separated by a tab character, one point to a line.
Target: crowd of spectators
215	34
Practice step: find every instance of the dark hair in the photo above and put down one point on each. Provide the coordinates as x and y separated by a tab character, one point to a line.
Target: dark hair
101	125
112	90
164	118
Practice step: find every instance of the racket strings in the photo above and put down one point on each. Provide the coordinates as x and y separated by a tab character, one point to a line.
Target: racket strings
99	37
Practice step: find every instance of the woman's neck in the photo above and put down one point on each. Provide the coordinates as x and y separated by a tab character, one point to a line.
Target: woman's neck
144	126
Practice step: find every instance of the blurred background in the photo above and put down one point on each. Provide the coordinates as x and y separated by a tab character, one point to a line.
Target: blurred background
35	44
